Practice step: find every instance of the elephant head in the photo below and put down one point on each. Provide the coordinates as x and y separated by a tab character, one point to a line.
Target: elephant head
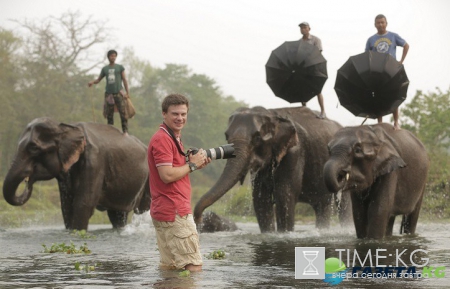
358	156
261	139
46	149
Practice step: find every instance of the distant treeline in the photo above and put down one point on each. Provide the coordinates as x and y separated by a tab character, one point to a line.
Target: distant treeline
45	67
45	71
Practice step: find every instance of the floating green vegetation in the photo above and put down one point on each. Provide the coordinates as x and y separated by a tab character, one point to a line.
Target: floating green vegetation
82	234
86	267
69	249
217	254
185	273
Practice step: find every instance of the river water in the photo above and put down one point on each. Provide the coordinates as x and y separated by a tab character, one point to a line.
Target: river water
129	258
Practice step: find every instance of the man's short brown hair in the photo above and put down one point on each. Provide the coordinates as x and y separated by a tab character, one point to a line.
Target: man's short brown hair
380	16
174	99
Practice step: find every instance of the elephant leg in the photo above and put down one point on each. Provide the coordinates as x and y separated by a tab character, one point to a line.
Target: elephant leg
285	201
409	227
323	212
83	213
66	199
263	202
359	215
345	214
379	208
377	222
86	197
118	218
390	226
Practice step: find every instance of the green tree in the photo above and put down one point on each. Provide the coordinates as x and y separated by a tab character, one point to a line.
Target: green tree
209	108
9	81
64	43
44	74
47	74
57	58
428	116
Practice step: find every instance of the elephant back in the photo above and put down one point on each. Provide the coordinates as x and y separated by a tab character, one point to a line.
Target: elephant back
319	130
107	144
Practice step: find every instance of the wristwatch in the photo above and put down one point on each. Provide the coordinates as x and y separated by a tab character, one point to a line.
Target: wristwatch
192	166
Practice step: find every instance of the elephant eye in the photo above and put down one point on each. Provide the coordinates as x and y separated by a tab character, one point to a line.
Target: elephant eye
257	135
33	148
357	149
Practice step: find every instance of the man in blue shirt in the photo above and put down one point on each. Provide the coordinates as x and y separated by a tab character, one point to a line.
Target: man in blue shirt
387	42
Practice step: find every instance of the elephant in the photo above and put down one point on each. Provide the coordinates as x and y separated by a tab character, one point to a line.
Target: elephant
211	222
284	150
384	171
96	166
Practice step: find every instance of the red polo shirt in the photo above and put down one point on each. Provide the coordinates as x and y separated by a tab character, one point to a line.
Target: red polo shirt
172	198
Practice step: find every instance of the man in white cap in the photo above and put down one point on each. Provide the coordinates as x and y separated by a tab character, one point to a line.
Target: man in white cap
314	40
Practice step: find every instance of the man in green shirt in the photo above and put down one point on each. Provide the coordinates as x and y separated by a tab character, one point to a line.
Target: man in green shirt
114	94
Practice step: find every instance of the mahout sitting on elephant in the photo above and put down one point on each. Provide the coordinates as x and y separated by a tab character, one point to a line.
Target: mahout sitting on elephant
285	150
385	172
95	166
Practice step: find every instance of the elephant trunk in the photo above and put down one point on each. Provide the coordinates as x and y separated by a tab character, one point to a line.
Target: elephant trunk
12	181
335	175
235	170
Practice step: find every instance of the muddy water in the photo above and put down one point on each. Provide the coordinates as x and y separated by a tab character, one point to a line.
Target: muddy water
129	258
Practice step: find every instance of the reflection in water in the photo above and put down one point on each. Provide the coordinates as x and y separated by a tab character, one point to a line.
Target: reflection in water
171	279
129	258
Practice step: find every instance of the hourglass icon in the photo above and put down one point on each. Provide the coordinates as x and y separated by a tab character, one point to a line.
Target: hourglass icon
310	269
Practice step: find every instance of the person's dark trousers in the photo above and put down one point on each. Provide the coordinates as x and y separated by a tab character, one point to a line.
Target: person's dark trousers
118	101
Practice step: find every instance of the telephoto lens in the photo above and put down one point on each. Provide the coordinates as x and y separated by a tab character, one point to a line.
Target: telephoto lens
222	152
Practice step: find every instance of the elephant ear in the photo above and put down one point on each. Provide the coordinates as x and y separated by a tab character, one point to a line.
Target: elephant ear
388	159
285	137
71	145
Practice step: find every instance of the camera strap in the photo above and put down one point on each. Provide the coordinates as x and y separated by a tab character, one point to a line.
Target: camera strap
171	133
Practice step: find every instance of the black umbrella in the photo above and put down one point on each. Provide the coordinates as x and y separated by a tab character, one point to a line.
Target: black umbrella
371	84
296	71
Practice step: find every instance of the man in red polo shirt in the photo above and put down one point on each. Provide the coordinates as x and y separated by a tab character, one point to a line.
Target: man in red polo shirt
170	189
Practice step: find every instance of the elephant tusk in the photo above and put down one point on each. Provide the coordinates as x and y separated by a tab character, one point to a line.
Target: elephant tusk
347	176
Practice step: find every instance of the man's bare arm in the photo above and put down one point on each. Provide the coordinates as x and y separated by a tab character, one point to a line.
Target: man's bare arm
95	81
170	174
125	83
405	51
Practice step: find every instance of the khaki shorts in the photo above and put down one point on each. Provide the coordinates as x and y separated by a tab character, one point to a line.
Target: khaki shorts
178	242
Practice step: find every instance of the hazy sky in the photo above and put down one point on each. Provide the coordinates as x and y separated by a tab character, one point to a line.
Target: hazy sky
231	40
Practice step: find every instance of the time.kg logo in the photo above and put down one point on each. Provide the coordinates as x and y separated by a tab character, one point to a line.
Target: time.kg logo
309	262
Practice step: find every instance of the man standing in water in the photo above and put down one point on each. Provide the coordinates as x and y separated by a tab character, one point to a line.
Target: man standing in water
387	42
170	188
114	94
314	40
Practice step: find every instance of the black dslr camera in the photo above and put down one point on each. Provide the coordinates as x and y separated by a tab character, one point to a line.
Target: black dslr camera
222	152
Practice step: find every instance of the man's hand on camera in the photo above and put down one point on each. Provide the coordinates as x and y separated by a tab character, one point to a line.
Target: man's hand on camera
199	159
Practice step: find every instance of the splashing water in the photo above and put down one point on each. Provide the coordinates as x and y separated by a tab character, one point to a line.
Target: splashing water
129	258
